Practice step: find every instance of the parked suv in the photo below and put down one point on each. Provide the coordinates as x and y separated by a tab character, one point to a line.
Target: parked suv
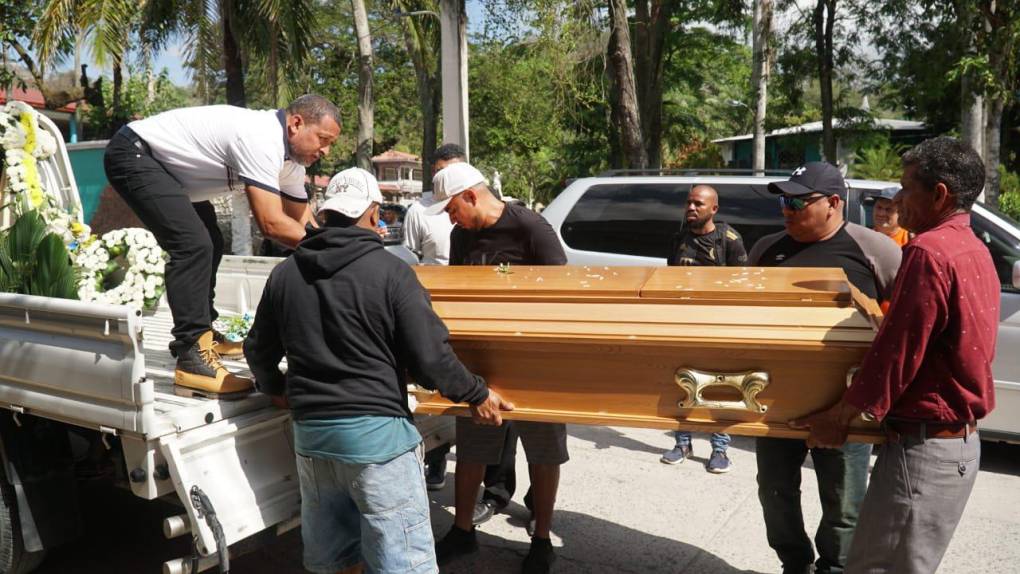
629	220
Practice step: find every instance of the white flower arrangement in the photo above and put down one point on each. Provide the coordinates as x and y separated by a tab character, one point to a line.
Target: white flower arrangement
24	143
133	252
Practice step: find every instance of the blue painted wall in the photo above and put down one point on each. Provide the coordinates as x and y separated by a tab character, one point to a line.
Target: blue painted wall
87	165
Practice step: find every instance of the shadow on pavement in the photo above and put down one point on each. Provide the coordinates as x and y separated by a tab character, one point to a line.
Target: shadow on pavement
606	437
1000	458
590	544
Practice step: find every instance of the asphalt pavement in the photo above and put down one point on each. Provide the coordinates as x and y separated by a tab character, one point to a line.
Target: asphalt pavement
619	510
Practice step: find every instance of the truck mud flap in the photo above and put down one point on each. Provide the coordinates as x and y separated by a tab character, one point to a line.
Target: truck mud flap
245	468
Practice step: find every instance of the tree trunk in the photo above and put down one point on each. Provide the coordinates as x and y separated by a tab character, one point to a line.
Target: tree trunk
651	24
823	51
623	69
366	105
972	115
760	79
972	103
993	139
429	100
116	112
232	63
274	64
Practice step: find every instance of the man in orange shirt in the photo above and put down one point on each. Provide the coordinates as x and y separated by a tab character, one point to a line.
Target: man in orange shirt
887	218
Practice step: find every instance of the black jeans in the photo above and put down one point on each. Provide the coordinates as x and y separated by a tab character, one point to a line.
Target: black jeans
186	231
842	481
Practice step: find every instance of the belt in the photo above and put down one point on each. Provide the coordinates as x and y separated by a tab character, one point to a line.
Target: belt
134	139
923	430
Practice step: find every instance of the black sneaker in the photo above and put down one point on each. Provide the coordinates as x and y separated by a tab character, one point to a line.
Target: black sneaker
435	475
455	544
540	557
484	511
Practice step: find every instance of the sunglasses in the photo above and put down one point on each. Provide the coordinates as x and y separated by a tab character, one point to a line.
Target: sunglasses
797	203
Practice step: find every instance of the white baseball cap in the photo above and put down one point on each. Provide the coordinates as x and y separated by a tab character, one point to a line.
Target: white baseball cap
450	181
351	192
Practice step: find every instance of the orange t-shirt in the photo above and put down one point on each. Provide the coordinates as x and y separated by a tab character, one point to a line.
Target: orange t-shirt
901	237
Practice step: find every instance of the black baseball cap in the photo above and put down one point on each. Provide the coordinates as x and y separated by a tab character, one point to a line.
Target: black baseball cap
812	177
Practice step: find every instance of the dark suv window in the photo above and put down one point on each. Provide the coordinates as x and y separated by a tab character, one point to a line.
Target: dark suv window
640	219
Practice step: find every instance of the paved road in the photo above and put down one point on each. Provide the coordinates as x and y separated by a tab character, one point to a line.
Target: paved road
619	510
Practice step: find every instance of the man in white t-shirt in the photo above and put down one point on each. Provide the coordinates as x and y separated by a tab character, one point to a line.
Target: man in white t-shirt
428	236
167	168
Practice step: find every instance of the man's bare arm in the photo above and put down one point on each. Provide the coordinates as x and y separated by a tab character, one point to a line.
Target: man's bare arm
277	224
300	211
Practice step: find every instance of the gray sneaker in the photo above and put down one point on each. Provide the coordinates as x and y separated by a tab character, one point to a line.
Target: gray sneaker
676	455
718	463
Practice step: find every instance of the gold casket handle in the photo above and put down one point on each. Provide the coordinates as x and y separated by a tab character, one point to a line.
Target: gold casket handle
748	383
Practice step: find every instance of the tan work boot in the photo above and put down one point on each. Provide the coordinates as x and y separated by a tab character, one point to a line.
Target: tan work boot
226	348
200	373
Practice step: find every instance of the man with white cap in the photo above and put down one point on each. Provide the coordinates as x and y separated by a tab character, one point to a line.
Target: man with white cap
491	232
353	321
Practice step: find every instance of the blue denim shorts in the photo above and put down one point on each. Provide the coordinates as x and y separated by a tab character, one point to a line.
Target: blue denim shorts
372	513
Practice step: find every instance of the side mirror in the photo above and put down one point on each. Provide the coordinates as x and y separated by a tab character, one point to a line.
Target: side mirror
1016	274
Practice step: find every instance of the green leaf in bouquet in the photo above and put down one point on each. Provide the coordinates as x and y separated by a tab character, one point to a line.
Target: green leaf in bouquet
23	237
54	275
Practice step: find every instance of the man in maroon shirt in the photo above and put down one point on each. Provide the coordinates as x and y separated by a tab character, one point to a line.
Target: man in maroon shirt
928	375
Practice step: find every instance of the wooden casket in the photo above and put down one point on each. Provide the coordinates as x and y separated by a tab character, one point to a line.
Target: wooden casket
733	349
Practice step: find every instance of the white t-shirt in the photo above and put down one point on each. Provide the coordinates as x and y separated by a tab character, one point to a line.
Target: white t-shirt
428	235
216	150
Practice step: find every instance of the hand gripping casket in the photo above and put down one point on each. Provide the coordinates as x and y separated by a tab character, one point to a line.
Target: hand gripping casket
733	349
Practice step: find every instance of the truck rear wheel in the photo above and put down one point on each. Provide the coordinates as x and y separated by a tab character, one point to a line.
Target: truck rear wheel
14	559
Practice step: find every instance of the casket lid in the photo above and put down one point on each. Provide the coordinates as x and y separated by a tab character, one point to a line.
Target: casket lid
694	285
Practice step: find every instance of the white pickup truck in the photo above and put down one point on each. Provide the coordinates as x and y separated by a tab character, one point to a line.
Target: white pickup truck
86	390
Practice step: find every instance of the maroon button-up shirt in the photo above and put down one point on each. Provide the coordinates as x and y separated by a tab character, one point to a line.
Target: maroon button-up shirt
932	358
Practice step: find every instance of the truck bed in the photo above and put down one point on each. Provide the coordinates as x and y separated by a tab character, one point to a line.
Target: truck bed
175	413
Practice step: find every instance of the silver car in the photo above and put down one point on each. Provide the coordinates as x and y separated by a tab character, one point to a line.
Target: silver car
629	220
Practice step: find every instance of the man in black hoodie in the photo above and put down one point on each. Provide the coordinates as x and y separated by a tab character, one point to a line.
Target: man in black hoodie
352	321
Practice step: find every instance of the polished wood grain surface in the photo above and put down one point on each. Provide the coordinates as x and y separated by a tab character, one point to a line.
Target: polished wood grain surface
562	352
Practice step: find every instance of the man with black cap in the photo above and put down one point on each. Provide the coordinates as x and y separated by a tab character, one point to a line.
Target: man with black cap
353	321
886	216
816	235
491	232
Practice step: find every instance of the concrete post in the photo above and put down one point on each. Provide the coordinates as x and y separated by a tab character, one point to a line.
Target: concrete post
454	59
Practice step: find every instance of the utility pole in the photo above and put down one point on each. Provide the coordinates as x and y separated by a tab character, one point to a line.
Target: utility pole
454	63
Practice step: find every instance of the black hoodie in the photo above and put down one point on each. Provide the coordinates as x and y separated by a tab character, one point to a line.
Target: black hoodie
352	321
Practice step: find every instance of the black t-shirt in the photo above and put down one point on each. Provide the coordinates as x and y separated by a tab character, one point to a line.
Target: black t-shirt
519	237
841	250
723	246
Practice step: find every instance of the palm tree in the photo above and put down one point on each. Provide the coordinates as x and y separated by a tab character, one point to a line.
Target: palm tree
105	24
250	34
421	36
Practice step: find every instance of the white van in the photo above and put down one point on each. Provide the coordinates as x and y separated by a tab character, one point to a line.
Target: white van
628	220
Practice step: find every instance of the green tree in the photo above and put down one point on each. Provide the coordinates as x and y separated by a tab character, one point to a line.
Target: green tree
18	19
880	161
106	24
